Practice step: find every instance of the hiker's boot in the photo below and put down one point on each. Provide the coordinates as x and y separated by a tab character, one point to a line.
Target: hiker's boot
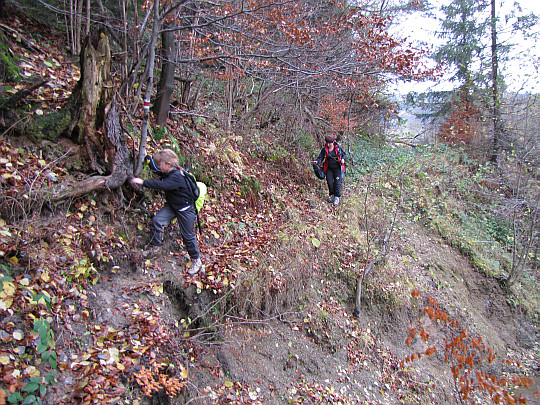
331	199
336	201
195	266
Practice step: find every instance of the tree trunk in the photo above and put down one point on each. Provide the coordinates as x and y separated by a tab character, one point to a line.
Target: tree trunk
124	45
116	153
496	110
91	119
185	88
88	102
148	92
95	122
231	88
166	80
83	116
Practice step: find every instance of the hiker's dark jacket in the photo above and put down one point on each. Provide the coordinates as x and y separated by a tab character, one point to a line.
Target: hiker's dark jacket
175	186
323	156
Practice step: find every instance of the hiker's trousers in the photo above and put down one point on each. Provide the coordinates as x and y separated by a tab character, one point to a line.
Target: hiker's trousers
186	220
334	179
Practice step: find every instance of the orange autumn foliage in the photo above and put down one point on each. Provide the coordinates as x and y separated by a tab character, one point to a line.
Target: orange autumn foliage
462	125
466	354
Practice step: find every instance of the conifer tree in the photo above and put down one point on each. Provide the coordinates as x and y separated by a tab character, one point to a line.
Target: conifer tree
464	25
463	28
474	54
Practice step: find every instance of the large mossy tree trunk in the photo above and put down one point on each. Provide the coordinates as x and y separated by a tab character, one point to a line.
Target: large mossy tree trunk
90	119
95	122
89	100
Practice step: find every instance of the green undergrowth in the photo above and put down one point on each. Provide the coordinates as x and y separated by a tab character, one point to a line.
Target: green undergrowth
447	191
450	197
9	71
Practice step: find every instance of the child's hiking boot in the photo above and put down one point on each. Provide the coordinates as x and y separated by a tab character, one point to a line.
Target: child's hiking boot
195	266
331	199
336	201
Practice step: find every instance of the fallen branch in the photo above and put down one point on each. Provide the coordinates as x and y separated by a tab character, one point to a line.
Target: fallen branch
83	187
30	45
412	145
12	101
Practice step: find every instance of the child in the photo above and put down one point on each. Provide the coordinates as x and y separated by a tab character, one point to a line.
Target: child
178	204
333	156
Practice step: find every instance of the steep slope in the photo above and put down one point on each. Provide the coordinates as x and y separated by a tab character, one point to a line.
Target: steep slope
271	319
85	318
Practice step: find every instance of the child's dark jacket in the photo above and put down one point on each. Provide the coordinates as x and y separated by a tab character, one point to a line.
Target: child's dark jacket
175	186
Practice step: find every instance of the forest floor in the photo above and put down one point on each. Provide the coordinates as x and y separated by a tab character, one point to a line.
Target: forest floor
271	318
319	352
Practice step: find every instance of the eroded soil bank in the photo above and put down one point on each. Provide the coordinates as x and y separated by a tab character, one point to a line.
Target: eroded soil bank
312	349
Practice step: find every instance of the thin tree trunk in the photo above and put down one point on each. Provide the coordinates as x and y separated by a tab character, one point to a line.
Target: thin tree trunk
149	86
136	21
230	99
383	255
166	80
136	50
87	29
187	83
71	31
139	56
496	110
124	46
78	25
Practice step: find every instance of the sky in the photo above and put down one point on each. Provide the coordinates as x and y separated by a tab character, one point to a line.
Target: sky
521	73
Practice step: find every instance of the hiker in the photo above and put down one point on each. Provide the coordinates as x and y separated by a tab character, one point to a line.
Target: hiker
333	156
178	204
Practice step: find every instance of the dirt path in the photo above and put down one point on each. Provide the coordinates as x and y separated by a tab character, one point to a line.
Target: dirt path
320	350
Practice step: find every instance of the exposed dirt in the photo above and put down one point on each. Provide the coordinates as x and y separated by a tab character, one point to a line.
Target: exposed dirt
316	348
292	337
286	333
